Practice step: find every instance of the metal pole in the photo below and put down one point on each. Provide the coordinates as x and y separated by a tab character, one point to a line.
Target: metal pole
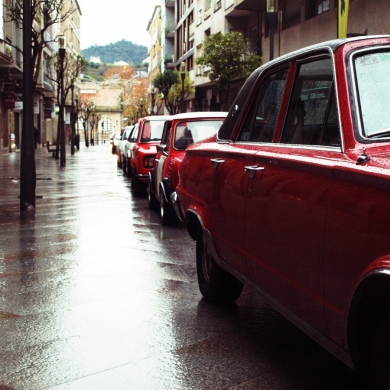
72	123
62	124
27	157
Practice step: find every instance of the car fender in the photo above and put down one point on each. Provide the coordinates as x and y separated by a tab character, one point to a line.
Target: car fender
370	304
193	218
167	189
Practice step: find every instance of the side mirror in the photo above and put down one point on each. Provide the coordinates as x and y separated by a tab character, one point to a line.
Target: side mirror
161	148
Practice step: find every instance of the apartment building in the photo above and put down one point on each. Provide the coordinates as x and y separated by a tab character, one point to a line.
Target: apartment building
298	23
11	73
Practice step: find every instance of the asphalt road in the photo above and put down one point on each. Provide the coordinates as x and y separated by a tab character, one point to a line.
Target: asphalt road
96	294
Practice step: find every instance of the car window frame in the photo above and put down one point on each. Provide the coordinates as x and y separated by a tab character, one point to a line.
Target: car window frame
354	95
253	109
333	95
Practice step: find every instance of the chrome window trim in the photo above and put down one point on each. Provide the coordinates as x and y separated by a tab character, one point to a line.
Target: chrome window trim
352	79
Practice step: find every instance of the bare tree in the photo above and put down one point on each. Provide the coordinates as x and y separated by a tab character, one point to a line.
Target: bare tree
73	66
35	17
44	14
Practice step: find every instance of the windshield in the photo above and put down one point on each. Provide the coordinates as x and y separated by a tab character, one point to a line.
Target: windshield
373	79
152	131
187	133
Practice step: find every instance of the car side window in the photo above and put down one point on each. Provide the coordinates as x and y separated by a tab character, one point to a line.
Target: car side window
262	127
312	117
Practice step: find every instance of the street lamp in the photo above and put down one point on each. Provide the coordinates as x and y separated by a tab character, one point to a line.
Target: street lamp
92	124
72	123
272	17
77	137
61	42
86	127
183	76
152	94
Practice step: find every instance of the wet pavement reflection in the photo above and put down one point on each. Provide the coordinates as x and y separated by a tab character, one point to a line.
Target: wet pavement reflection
96	294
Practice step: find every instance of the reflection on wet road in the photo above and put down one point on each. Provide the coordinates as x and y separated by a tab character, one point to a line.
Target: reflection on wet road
96	294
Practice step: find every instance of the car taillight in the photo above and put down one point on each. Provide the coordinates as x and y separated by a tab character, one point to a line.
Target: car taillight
148	161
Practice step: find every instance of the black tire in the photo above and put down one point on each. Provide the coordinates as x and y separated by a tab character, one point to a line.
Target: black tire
215	284
380	358
152	200
124	165
128	169
167	212
137	187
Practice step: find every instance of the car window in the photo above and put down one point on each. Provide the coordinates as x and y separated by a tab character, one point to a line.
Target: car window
187	133
152	131
373	78
261	127
312	117
166	134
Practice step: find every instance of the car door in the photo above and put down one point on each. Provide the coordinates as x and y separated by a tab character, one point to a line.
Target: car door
162	153
232	179
288	200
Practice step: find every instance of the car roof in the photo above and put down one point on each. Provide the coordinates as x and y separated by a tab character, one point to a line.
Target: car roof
199	114
331	45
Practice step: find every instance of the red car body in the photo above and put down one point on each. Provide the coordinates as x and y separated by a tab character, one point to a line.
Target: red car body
293	198
144	150
179	132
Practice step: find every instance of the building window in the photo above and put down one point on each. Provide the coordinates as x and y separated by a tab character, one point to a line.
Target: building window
316	7
207	4
291	13
200	14
218	4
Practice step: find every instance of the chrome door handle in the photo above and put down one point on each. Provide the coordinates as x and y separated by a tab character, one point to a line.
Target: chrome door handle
216	162
252	169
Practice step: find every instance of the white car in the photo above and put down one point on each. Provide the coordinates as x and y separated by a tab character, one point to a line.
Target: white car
114	140
120	150
129	144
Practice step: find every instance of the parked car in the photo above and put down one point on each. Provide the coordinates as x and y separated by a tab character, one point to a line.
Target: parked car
144	151
129	144
120	151
293	198
180	131
114	141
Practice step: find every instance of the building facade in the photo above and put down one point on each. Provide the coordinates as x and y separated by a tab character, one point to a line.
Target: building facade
11	72
298	23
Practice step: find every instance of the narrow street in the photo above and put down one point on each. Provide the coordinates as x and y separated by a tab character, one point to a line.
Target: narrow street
96	294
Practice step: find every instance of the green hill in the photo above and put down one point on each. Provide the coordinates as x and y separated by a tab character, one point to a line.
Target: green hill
119	51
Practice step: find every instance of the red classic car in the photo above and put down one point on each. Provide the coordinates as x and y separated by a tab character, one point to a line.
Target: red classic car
293	198
179	131
144	151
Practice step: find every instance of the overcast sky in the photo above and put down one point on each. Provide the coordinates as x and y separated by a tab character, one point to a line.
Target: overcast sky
110	22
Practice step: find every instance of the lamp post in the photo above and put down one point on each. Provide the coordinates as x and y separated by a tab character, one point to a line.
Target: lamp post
152	94
272	17
92	124
77	137
86	127
183	76
72	122
61	42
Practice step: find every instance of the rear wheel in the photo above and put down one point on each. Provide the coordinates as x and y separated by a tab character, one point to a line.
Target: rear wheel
215	284
124	165
137	187
167	213
152	200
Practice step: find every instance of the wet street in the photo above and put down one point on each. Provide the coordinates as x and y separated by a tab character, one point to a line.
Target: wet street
96	294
